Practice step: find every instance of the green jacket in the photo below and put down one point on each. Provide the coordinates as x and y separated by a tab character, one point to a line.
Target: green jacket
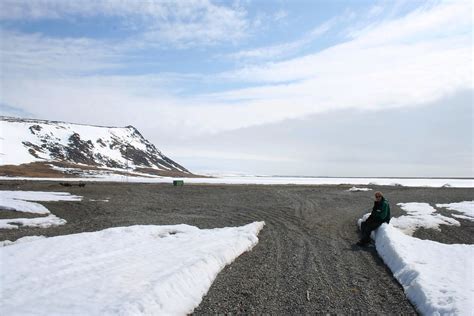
381	210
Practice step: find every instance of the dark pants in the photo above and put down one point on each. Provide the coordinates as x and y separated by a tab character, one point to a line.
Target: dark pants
367	227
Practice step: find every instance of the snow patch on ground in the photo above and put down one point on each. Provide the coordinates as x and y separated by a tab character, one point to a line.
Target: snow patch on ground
154	270
20	201
437	278
41	222
356	189
16	205
420	215
465	207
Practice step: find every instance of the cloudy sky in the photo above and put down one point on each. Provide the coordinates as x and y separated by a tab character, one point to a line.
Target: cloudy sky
304	87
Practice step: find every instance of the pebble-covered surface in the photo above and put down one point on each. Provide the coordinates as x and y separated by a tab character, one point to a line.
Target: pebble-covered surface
306	261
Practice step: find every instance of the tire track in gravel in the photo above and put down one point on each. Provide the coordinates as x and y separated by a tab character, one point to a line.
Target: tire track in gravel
347	271
309	256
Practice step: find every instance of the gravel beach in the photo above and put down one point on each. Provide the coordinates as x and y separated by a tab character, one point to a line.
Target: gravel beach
306	261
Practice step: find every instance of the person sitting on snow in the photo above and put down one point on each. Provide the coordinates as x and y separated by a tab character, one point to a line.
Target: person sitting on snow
380	214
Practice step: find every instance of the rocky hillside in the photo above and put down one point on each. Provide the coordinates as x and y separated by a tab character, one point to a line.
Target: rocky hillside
27	144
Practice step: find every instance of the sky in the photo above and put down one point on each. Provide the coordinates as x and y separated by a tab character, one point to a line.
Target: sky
305	88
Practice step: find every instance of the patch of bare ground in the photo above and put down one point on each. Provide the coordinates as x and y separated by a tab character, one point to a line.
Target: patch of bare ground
34	169
305	262
46	170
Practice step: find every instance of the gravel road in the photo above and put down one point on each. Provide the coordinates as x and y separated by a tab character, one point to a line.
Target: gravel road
306	261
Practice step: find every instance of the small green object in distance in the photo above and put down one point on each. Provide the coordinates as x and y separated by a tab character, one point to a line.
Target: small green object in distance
177	183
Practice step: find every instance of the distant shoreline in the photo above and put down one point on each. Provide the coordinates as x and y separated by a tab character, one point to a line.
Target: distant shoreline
269	180
341	177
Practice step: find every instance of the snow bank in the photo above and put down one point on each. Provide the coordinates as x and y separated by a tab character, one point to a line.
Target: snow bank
135	270
20	240
437	278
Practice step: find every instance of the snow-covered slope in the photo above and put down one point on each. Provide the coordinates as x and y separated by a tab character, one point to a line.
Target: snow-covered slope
24	141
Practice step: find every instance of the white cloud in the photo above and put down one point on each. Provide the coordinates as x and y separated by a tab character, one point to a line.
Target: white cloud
408	61
375	11
176	22
218	24
269	52
280	15
33	54
425	23
390	75
276	51
139	100
199	153
438	28
58	9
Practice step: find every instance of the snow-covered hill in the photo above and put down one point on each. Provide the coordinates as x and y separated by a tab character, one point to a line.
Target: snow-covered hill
28	142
